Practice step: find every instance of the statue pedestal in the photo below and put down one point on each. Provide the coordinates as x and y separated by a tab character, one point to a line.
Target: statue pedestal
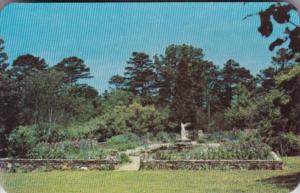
183	144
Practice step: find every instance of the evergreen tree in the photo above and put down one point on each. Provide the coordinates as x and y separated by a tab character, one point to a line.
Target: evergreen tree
167	69
139	77
232	74
25	65
74	69
183	105
3	57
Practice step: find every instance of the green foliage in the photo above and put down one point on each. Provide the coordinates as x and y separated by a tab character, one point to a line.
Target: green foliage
25	65
48	99
183	104
244	150
93	128
252	149
41	101
124	158
74	69
134	118
231	135
164	137
139	77
82	149
22	140
3	57
146	119
286	143
242	109
9	109
289	75
233	75
291	144
124	142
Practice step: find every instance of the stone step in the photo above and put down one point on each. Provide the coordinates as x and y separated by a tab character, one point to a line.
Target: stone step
133	166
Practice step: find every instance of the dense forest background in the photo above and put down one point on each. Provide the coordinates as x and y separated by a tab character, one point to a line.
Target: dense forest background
49	103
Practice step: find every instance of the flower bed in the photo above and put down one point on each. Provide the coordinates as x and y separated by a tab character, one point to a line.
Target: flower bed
211	164
241	155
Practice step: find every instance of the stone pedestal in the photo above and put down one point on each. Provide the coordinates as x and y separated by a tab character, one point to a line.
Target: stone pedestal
183	144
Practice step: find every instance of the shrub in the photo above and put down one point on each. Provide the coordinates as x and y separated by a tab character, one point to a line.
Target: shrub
47	151
289	144
83	149
202	140
165	137
124	142
124	158
22	140
40	151
245	150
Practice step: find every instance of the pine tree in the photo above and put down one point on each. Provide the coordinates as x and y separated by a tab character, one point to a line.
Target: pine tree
3	57
139	77
183	104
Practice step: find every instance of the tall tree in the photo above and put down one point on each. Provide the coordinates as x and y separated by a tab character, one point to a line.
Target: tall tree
281	61
3	57
232	75
183	106
118	81
9	101
139	77
9	109
167	71
42	100
289	82
266	79
26	64
74	69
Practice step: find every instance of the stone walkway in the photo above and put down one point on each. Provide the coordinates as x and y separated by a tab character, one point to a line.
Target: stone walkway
133	166
134	155
135	158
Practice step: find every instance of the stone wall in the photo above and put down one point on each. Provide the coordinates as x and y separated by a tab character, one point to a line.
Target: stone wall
211	164
55	164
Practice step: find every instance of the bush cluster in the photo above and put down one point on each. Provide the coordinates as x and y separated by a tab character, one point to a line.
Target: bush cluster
244	150
82	149
124	142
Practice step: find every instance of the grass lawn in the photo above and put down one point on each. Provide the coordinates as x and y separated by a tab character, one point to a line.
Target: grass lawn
156	181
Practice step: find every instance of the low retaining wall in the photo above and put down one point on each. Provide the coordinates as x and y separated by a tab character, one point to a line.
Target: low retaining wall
55	164
211	164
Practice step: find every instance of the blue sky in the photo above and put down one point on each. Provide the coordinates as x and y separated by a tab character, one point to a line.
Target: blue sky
105	34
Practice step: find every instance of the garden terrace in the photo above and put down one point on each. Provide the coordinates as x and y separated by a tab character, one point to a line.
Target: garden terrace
212	157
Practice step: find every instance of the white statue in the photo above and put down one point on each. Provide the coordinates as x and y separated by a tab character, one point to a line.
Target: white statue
2	190
297	190
184	134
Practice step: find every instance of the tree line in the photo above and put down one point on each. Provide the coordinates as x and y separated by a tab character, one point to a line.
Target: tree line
33	93
156	93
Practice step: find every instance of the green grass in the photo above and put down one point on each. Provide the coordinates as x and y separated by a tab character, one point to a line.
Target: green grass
157	181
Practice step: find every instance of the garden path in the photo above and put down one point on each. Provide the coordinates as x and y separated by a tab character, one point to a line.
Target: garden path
135	158
134	165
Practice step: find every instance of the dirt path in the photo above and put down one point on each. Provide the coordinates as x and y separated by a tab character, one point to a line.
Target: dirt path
133	166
